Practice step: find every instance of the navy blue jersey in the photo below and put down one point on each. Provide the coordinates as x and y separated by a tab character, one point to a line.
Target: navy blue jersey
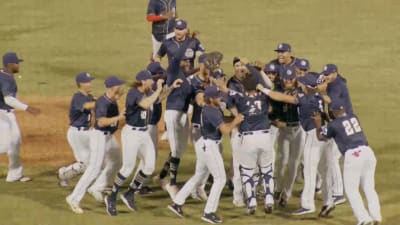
338	90
108	108
253	108
79	116
347	132
8	87
235	85
308	105
156	113
211	120
136	116
198	85
282	67
160	7
171	47
289	113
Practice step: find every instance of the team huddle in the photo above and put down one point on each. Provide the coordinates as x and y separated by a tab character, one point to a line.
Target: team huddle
284	123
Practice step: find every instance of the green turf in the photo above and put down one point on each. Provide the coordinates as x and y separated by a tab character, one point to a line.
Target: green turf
58	39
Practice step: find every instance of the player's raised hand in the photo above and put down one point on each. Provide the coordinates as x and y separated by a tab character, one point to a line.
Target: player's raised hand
177	83
238	119
33	110
259	87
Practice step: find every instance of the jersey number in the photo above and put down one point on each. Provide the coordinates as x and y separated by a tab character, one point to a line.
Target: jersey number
351	126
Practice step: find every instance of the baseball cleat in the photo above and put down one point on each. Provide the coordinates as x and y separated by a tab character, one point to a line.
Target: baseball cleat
211	218
238	203
326	209
129	202
74	206
96	195
339	199
21	179
177	209
172	190
282	203
268	208
251	210
110	206
302	211
63	183
145	190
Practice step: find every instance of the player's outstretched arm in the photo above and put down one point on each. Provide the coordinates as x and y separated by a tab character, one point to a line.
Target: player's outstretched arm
277	96
147	102
17	104
318	121
107	121
164	94
226	128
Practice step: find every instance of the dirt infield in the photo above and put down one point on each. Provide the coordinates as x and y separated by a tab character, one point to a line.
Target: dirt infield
44	139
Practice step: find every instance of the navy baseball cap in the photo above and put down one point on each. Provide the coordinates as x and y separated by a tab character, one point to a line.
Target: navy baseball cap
302	64
329	68
289	73
83	77
180	24
235	60
155	68
212	92
113	81
308	80
202	58
283	47
11	57
271	68
143	75
336	104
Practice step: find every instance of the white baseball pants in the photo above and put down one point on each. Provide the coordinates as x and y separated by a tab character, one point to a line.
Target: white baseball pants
177	131
359	168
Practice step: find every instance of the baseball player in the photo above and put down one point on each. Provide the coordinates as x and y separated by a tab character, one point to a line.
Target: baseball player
302	67
104	147
161	14
284	57
334	87
359	161
10	138
290	141
171	46
316	153
80	113
209	158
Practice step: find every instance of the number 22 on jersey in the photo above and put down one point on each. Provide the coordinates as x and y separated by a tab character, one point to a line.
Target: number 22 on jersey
351	126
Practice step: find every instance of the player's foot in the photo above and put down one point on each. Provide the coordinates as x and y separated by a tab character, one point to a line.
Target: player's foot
172	190
268	208
302	211
96	195
238	202
339	199
164	136
145	190
282	203
177	209
365	223
21	179
129	202
211	218
110	206
326	209
61	181
74	206
251	210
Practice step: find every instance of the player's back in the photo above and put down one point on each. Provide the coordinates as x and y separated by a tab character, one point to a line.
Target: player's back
8	86
347	132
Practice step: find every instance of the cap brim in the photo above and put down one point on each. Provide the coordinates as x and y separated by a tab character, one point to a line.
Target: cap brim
281	50
180	28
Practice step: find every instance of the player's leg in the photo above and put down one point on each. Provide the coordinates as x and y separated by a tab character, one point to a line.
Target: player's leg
326	168
352	169
368	184
156	46
199	192
215	165
79	142
337	179
266	149
15	169
237	181
295	154
281	160
97	146
5	131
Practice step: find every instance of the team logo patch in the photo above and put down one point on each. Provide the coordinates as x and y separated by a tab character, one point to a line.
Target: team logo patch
189	53
289	72
325	68
303	63
280	46
179	23
88	75
272	67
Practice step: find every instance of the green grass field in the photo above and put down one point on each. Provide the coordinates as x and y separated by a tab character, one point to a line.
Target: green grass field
58	39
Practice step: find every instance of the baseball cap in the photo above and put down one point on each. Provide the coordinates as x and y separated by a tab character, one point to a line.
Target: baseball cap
11	57
83	77
218	73
235	60
180	24
212	92
336	104
271	68
155	68
308	80
329	68
283	47
289	73
113	81
143	75
302	64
